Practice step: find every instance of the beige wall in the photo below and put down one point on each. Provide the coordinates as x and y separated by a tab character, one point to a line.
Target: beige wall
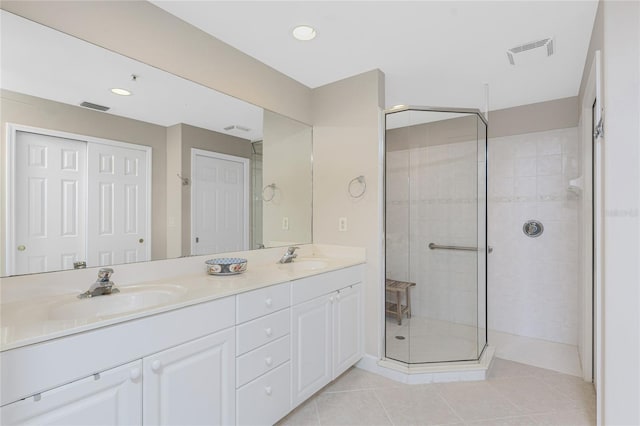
174	191
538	117
195	137
346	144
286	161
37	112
144	32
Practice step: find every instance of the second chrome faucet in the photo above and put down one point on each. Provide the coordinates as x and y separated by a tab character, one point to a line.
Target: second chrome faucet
289	255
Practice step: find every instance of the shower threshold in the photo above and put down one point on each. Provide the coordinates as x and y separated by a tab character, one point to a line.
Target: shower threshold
440	372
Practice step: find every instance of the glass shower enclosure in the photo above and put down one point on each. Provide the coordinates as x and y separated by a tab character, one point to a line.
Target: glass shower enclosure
435	235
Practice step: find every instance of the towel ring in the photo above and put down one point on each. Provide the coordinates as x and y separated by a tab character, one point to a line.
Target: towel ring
185	180
273	192
363	183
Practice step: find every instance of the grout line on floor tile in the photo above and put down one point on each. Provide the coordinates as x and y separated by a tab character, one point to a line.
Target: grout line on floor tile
386	413
354	390
315	405
449	405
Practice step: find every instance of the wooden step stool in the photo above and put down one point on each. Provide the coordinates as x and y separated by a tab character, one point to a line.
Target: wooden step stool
397	308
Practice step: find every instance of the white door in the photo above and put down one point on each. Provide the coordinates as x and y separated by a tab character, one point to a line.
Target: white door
49	204
192	384
219	203
311	353
118	228
113	397
347	329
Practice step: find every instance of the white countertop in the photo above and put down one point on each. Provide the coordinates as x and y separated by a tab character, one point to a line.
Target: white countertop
27	321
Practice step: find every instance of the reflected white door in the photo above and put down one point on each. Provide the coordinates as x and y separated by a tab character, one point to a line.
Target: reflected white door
118	231
219	202
49	204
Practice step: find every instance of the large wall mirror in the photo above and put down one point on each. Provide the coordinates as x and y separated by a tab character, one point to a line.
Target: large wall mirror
171	168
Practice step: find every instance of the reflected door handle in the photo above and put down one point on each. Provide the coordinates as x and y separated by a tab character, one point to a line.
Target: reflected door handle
22	248
141	240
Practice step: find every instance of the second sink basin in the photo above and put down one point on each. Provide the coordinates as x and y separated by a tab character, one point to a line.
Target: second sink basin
304	265
129	299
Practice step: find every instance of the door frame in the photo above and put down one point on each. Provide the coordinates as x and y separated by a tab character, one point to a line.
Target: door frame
247	187
593	105
10	171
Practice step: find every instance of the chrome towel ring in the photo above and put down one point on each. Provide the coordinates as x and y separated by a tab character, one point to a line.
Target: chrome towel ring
354	192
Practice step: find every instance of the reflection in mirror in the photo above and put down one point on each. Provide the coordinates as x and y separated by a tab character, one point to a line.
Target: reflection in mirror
173	169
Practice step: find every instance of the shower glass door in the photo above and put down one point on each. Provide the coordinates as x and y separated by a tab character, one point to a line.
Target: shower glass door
435	229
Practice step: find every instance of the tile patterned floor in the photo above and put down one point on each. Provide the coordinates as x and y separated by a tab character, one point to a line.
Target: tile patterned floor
514	394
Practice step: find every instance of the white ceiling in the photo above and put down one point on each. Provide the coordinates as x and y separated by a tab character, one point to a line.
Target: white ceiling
42	62
432	52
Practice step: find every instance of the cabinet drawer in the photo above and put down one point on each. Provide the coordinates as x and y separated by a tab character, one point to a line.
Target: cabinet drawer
261	302
259	361
311	287
265	400
263	330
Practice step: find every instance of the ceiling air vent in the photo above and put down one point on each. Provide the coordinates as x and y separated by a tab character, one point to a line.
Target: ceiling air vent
237	127
531	51
94	106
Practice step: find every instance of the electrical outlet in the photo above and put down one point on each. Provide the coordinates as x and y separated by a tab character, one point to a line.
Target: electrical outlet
285	223
342	224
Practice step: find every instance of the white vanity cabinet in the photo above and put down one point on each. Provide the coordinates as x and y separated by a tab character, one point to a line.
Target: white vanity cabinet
192	383
348	344
312	341
326	329
263	346
113	397
245	359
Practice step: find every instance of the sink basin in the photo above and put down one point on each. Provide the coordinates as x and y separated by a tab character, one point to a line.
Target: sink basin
130	298
304	265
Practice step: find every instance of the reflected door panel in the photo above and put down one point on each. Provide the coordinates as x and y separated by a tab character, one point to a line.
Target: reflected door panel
219	203
50	203
117	205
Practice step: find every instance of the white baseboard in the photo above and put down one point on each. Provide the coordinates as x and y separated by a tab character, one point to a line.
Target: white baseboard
539	353
429	373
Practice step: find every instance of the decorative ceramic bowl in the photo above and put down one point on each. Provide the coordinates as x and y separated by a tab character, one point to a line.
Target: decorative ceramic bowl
226	266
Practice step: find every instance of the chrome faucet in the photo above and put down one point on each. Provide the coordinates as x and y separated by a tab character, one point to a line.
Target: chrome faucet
102	286
289	255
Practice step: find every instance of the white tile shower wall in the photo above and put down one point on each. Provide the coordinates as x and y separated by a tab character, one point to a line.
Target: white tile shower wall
431	197
533	282
397	215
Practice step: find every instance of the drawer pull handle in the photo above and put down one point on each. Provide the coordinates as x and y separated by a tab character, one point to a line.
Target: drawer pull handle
338	296
269	361
268	303
268	390
268	332
134	374
331	299
156	365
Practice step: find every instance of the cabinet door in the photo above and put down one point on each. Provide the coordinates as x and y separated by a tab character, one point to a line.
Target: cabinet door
113	397
347	329
311	355
193	383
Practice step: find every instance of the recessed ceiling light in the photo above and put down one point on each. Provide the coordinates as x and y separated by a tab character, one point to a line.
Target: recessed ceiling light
304	32
121	92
